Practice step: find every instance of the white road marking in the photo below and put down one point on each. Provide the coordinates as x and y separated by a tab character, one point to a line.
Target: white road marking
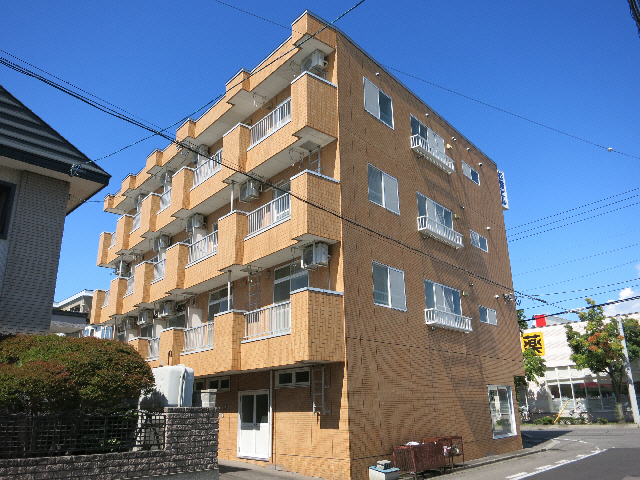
519	476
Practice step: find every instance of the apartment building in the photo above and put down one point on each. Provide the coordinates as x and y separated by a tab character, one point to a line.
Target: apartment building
329	254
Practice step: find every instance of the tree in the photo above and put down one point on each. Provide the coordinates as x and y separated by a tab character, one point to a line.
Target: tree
534	365
599	348
51	374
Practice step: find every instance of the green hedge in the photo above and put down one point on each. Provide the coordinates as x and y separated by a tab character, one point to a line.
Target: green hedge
52	374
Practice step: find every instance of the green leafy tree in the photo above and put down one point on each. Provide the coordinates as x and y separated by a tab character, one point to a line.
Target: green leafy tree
534	365
51	374
599	348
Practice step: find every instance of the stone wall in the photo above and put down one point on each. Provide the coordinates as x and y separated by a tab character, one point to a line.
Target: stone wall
191	444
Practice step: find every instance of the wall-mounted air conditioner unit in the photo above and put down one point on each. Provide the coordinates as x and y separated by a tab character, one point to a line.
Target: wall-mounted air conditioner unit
166	309
314	63
181	307
122	269
161	243
129	323
195	221
249	190
145	317
315	255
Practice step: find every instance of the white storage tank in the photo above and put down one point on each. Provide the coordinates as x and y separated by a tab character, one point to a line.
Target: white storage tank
174	387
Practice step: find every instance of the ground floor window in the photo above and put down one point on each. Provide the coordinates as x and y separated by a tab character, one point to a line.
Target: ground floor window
502	414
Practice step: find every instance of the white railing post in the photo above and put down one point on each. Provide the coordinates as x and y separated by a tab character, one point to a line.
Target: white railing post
158	269
268	321
107	294
136	222
265	216
154	348
113	240
199	337
278	118
165	200
204	247
130	283
430	227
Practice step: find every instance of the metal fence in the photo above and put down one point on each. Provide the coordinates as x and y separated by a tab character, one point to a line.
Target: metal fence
207	169
272	320
158	268
165	200
136	222
107	294
154	348
204	247
199	337
113	240
277	119
429	226
265	216
130	283
24	436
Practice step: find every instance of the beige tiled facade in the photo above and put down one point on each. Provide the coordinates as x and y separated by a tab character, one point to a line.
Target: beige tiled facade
389	378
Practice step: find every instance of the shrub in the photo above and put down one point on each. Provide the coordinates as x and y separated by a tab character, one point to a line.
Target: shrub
603	421
51	374
544	421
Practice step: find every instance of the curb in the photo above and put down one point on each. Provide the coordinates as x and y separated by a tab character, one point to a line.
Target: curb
492	460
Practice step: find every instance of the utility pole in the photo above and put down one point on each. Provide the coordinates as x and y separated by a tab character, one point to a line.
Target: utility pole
627	368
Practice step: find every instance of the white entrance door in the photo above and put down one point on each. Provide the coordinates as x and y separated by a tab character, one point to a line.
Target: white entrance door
253	424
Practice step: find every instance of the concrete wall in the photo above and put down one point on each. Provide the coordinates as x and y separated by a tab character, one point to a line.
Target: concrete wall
32	253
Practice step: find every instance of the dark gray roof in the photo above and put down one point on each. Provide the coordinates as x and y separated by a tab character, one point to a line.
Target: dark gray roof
26	138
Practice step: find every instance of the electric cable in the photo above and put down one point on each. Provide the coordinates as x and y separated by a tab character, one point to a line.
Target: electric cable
581	309
582	296
577	259
588	274
588	288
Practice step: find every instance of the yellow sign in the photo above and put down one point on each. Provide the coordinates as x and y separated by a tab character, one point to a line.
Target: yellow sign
533	341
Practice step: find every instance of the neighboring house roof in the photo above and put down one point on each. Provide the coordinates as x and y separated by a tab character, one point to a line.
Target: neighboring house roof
67	322
73	298
29	143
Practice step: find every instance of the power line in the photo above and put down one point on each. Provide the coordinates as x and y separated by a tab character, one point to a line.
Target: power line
546	253
578	259
588	288
572	223
573	216
572	209
587	275
581	297
581	309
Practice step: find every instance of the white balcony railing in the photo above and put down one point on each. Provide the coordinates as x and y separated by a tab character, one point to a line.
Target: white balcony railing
154	348
130	281
107	294
431	228
268	321
447	320
136	222
158	268
273	212
422	147
165	200
198	338
204	247
207	169
113	240
273	122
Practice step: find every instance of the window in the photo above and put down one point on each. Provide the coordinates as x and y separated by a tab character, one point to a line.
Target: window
442	298
146	331
7	191
288	279
470	173
434	211
388	287
179	321
378	103
383	189
432	138
219	301
488	315
298	377
220	383
479	241
502	416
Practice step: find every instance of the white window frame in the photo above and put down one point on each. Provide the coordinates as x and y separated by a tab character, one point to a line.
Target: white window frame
512	416
426	200
467	171
220	300
399	301
219	379
476	241
435	298
387	188
490	315
294	384
373	105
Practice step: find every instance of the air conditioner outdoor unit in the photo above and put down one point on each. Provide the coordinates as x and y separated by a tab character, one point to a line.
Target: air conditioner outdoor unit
166	309
249	190
314	63
195	221
145	317
122	269
315	255
181	307
161	242
129	323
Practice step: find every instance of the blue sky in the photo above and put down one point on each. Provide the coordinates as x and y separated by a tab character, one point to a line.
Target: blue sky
572	66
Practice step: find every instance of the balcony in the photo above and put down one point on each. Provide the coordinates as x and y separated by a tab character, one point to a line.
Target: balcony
268	322
154	349
158	268
204	247
165	200
431	228
273	122
107	294
130	283
207	169
112	242
136	222
429	151
450	321
198	338
268	215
